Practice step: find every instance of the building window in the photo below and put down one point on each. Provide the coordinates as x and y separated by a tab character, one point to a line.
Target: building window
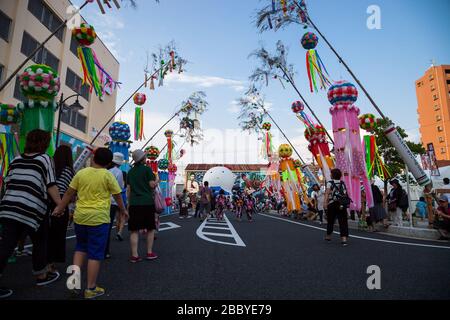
74	82
73	46
74	119
435	96
433	87
5	26
43	56
17	92
442	150
441	139
447	71
438	118
431	77
49	19
419	84
436	107
440	129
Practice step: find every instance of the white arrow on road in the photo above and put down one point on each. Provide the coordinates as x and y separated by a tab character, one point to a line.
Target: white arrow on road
225	225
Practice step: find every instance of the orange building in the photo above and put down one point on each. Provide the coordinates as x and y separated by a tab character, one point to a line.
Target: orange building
433	98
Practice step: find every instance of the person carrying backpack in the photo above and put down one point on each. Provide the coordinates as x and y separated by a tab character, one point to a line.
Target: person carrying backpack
337	203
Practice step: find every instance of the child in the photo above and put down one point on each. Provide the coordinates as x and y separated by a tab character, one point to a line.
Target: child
184	204
93	187
249	206
239	207
421	208
221	203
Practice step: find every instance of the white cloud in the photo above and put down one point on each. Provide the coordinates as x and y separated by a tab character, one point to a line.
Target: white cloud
234	107
413	135
205	81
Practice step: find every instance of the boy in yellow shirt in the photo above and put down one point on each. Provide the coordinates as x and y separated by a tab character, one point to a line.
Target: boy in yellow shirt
93	187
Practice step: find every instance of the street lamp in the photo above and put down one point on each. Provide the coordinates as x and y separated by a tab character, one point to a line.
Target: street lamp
75	106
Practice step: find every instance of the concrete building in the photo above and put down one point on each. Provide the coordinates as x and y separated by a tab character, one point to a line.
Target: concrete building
433	98
24	24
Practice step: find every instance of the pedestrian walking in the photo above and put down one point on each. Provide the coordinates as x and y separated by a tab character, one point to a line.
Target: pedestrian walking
184	202
318	197
29	184
337	203
93	187
63	159
117	161
141	196
395	202
206	196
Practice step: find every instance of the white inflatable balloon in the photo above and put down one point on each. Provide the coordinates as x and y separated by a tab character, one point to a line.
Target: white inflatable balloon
220	177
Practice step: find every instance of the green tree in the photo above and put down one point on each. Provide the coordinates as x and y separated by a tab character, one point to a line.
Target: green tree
391	157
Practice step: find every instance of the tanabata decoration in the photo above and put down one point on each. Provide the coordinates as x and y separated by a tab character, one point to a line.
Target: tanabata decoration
163	164
289	178
172	169
347	142
315	68
93	72
374	162
139	100
39	84
170	146
9	114
316	136
120	135
318	146
9	148
298	169
267	147
152	153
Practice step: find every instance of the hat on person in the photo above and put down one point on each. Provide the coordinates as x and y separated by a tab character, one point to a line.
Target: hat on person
118	158
394	181
443	198
138	155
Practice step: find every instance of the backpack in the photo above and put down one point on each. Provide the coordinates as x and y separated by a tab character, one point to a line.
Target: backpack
340	194
404	201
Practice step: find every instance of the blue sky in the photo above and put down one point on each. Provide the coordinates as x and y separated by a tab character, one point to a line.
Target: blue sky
216	36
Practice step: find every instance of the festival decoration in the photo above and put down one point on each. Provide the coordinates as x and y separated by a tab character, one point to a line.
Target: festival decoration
163	164
314	64
9	114
9	148
289	178
93	72
280	13
170	146
120	135
152	153
139	100
318	146
348	148
267	147
190	126
39	84
374	162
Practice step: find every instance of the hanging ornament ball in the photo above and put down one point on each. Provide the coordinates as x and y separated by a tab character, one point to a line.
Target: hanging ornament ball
120	131
285	151
84	34
172	168
297	163
266	126
308	133
152	153
342	93
9	114
368	122
309	40
139	99
318	129
163	164
168	133
39	82
297	107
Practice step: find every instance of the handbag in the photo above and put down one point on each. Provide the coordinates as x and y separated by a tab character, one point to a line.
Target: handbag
160	204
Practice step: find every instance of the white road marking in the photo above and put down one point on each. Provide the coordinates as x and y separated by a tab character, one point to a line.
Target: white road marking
233	234
219	228
359	237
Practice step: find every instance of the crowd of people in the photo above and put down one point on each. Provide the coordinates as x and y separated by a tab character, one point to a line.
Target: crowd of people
36	196
38	192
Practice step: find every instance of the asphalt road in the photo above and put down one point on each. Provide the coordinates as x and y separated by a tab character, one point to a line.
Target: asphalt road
275	258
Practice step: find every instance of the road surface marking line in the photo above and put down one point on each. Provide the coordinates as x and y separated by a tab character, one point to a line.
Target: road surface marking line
227	235
203	235
359	237
219	228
